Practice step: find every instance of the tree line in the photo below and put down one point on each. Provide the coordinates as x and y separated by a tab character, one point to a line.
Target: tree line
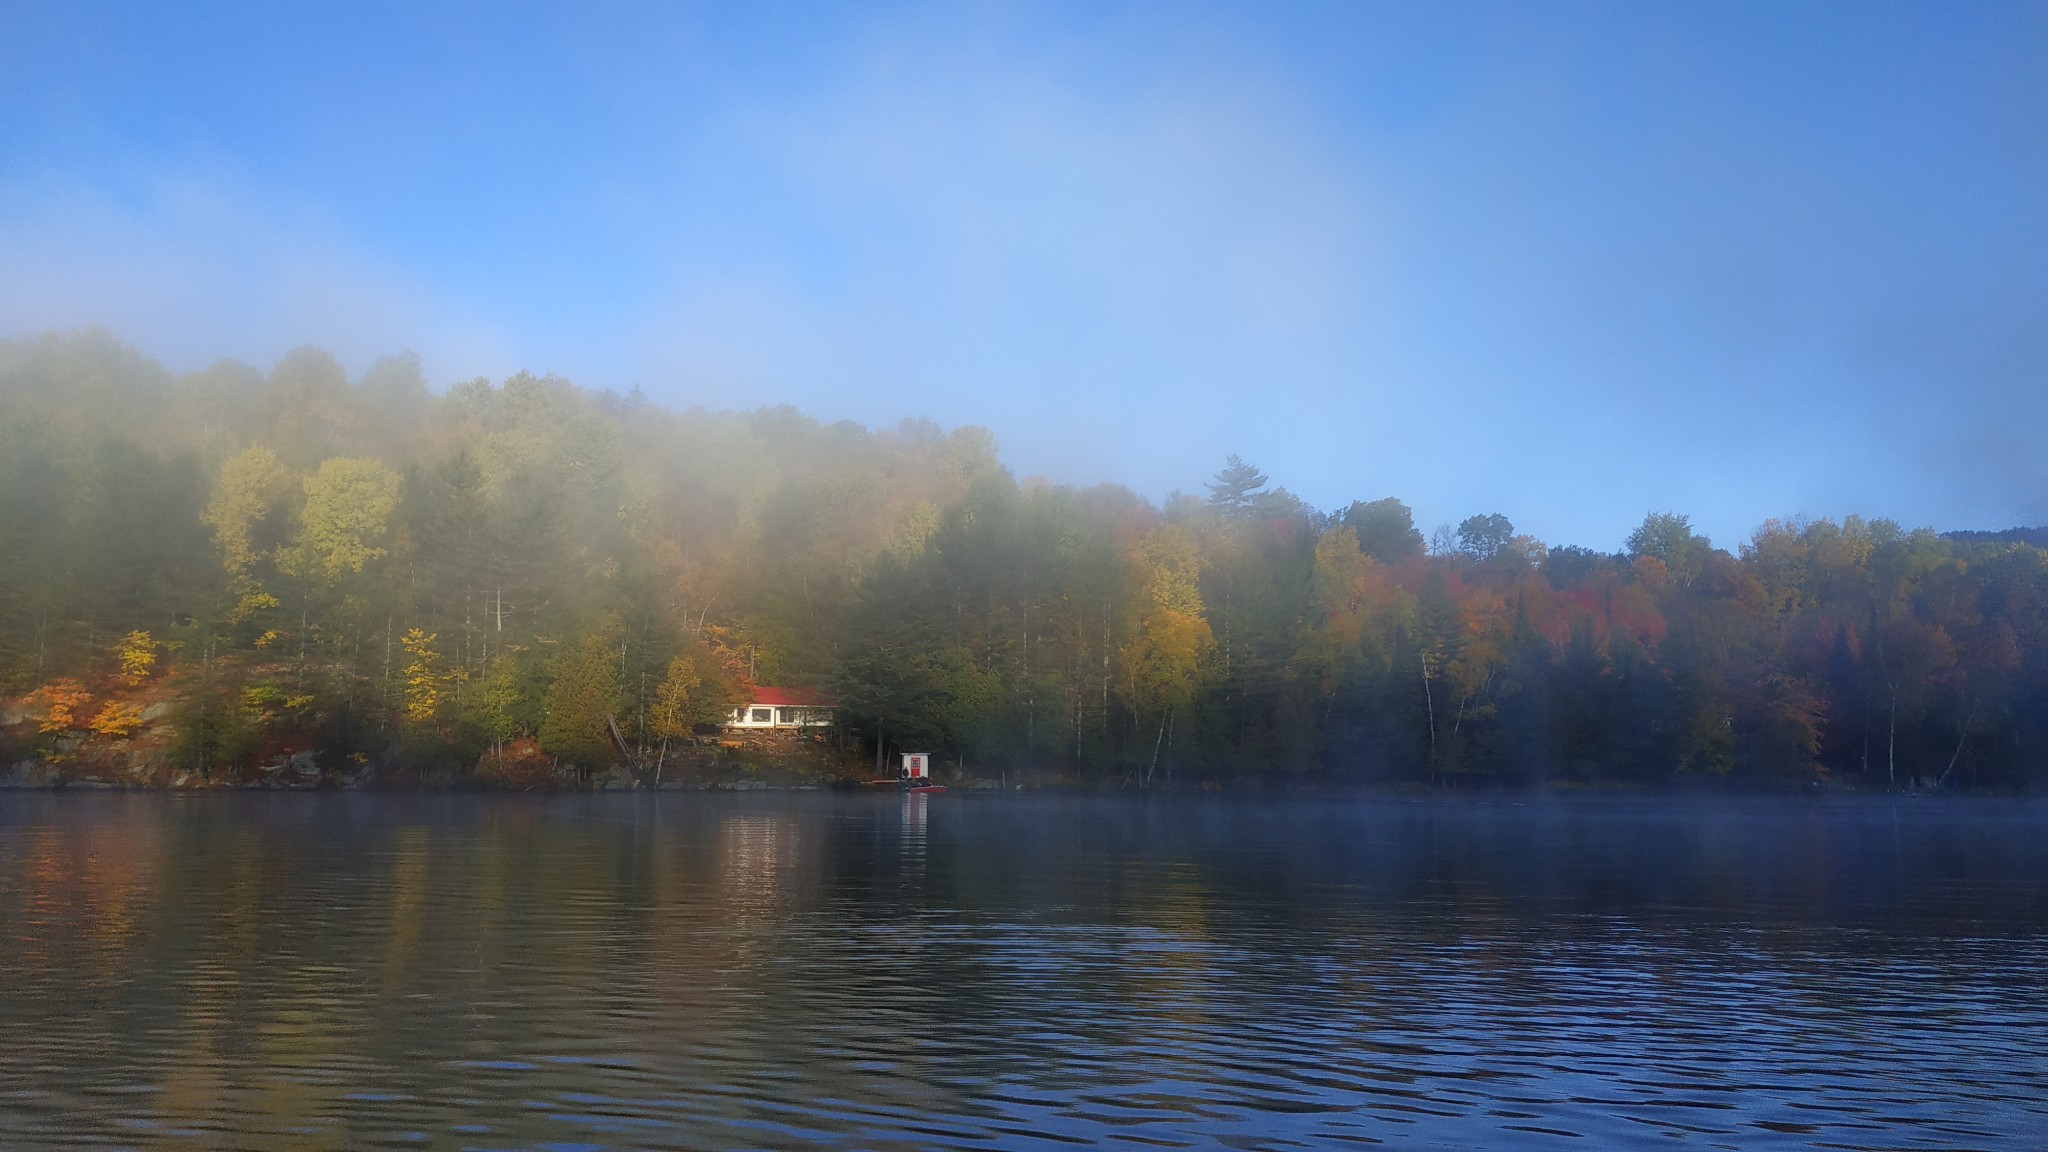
241	564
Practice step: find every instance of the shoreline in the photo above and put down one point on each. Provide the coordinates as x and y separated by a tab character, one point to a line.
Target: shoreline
1247	787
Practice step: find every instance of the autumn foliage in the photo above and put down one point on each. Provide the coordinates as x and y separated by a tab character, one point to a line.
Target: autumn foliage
508	580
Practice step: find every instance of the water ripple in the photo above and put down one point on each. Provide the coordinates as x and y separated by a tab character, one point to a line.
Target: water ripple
684	972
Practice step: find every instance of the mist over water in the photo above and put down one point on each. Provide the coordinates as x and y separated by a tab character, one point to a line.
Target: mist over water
802	971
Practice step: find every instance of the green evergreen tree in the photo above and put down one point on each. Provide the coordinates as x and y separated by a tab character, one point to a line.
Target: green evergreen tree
581	704
1235	487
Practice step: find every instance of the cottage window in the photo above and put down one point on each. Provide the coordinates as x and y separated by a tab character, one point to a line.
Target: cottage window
764	716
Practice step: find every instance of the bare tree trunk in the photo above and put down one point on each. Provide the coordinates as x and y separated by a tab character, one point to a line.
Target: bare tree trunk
1962	735
1429	702
205	767
1891	747
1158	742
619	741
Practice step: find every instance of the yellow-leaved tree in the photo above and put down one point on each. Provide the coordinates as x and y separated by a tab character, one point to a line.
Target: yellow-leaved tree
251	485
425	679
677	701
349	502
1162	664
136	656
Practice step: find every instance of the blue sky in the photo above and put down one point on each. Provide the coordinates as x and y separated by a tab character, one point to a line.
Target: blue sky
1567	262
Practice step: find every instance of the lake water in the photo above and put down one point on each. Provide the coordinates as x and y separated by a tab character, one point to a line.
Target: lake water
1005	971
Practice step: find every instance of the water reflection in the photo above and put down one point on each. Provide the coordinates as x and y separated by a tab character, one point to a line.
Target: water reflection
916	806
759	971
756	852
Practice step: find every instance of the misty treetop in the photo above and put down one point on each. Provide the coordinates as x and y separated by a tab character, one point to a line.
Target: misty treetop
248	565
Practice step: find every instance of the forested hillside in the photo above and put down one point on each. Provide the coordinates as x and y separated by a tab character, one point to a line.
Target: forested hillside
242	565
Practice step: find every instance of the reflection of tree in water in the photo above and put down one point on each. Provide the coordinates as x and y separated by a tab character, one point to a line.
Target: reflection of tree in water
695	971
409	881
756	852
89	883
1170	959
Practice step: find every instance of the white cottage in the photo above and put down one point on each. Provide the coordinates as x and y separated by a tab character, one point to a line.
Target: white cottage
782	708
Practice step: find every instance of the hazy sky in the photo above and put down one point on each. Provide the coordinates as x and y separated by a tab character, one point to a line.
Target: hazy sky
1566	262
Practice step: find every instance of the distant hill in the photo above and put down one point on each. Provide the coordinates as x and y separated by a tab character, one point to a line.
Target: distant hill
2038	537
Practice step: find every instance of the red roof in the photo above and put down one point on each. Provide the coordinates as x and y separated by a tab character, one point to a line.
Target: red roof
790	697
